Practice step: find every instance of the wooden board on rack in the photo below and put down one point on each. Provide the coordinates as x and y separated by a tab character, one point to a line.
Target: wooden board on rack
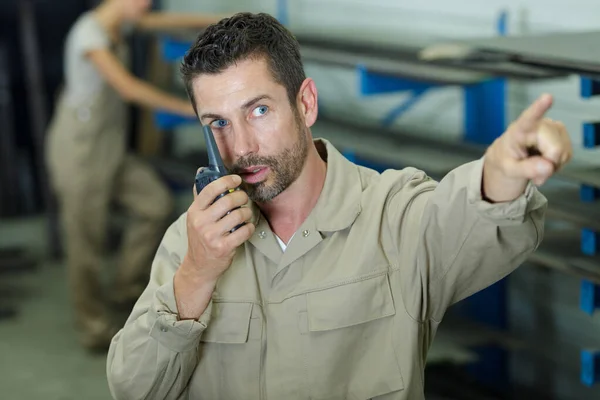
403	61
567	52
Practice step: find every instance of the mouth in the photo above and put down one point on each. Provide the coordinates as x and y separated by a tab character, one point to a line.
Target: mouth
254	174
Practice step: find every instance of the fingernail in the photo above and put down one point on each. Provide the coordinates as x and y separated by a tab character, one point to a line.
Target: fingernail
543	168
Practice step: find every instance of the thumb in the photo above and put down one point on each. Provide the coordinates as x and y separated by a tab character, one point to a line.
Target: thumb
536	168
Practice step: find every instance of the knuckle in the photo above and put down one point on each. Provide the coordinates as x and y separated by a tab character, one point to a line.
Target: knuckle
231	183
206	237
221	205
194	222
502	163
250	228
220	249
554	150
228	202
236	214
216	187
240	197
240	214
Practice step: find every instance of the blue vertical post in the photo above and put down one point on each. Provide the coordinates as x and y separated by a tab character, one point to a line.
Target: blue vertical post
590	241
589	297
485	103
590	367
283	12
485	120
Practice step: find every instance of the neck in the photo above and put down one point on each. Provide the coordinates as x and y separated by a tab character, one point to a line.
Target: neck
290	209
110	17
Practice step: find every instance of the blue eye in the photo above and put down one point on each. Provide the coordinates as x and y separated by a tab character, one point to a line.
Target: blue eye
260	110
219	123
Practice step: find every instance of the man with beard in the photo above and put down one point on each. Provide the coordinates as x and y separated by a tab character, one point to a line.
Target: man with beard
335	286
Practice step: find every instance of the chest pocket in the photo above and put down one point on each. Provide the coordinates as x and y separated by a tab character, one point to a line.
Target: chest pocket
230	354
348	345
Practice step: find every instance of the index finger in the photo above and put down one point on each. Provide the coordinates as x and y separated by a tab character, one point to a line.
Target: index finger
208	195
529	118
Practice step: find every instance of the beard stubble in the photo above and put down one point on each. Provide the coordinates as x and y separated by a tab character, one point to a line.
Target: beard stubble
285	168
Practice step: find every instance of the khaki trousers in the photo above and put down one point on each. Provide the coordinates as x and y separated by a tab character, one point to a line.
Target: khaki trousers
89	171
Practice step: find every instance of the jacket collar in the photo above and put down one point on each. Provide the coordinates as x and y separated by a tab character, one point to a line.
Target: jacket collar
340	201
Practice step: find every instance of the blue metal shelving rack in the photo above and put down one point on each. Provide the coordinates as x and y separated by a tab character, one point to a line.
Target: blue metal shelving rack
590	242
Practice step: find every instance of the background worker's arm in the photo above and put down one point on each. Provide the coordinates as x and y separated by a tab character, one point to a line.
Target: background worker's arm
136	90
156	21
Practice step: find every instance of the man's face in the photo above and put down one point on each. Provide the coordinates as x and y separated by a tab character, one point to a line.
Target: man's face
260	136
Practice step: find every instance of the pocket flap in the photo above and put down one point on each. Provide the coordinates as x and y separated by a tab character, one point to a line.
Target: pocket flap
350	304
229	323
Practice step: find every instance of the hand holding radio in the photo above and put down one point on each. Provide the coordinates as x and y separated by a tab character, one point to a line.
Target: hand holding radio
216	169
218	222
217	219
212	243
212	237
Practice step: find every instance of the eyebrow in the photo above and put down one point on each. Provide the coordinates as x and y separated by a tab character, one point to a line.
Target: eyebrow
245	106
250	103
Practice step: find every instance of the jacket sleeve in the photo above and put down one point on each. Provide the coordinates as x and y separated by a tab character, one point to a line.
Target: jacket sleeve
452	243
154	355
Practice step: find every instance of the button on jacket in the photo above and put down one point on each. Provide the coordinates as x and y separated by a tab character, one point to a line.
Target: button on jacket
348	311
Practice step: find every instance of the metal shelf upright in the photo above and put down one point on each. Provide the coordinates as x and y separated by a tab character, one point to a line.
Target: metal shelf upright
590	241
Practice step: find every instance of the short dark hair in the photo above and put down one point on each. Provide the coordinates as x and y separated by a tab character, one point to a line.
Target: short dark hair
243	36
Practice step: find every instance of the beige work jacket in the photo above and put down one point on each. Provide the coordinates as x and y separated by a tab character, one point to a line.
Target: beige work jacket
351	307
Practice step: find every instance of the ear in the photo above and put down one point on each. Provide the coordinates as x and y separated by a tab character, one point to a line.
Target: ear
307	102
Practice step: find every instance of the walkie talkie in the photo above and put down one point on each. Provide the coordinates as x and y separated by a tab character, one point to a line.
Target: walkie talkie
215	170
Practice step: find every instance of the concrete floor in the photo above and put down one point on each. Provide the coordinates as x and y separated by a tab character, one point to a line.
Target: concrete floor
41	358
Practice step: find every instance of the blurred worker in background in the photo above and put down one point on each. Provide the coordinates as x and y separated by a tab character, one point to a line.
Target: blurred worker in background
89	166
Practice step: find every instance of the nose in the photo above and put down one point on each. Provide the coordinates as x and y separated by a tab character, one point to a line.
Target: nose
244	141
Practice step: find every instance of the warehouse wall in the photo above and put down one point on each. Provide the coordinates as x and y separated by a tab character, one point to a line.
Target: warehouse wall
440	112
